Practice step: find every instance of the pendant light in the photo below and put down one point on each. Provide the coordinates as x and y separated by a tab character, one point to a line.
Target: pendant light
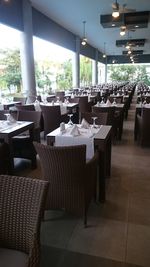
84	39
115	7
104	54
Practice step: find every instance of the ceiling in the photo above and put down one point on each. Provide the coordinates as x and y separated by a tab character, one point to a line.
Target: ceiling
71	14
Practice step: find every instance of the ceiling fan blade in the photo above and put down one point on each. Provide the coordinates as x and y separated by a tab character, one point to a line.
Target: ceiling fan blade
126	10
115	5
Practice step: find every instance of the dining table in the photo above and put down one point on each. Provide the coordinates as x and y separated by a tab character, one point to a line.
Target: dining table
10	129
101	139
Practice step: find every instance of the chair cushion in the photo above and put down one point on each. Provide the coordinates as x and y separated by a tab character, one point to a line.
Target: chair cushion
13	258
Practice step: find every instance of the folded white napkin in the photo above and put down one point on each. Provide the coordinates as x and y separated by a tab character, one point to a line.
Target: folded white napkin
85	124
1	107
108	103
74	131
11	119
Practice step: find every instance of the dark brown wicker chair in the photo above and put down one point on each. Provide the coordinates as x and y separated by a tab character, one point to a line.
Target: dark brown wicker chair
4	158
118	99
29	107
22	202
111	119
61	95
22	100
72	180
143	127
101	117
52	118
22	144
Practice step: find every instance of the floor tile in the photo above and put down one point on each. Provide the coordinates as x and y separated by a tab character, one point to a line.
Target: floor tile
104	238
139	210
57	228
138	245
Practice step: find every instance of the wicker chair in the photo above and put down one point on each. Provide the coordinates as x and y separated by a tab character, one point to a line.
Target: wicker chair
143	127
72	180
61	95
29	107
22	144
22	202
52	118
111	118
22	100
101	117
5	165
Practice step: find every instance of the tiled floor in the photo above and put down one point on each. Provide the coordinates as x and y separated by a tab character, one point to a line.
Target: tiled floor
118	233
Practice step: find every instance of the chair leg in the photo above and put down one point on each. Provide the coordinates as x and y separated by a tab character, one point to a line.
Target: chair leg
85	218
33	163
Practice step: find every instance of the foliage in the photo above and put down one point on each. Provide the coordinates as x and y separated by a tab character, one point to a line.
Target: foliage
10	68
85	71
43	74
64	79
129	73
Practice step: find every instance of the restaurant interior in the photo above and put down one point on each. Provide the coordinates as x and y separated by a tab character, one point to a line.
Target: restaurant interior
74	164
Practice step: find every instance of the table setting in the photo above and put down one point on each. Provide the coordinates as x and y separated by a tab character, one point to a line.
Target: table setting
77	134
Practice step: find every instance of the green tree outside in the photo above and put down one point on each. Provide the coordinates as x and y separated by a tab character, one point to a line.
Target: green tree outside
129	73
85	71
10	69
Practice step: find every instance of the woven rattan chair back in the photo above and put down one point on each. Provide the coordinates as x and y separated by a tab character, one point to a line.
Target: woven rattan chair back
71	185
22	203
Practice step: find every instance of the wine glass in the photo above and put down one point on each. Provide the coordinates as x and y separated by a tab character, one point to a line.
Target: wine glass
114	102
58	99
7	114
102	102
36	100
145	102
94	124
70	121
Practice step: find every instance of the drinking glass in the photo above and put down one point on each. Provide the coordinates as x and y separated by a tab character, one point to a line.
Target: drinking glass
145	102
70	122
94	124
7	114
114	102
58	99
102	102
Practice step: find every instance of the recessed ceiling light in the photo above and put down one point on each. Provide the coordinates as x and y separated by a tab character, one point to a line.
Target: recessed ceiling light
113	24
136	26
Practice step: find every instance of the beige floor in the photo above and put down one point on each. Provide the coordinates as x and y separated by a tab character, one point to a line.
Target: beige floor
119	230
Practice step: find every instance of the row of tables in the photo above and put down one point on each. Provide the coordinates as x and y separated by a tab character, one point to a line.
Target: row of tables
102	142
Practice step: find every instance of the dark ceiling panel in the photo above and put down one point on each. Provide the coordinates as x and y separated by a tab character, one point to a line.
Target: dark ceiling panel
132	42
134	52
135	19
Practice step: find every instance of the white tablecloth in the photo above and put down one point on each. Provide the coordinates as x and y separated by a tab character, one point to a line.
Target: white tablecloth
85	137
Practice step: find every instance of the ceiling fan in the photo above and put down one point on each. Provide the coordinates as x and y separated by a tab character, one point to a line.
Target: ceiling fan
117	9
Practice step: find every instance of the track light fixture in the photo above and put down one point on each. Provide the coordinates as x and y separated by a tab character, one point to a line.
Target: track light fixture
84	39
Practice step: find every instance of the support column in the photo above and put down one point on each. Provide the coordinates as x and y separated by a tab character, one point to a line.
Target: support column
106	70
76	65
26	51
95	69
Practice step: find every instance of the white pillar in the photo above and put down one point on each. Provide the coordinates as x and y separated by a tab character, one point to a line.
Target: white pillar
76	65
106	70
95	69
26	51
